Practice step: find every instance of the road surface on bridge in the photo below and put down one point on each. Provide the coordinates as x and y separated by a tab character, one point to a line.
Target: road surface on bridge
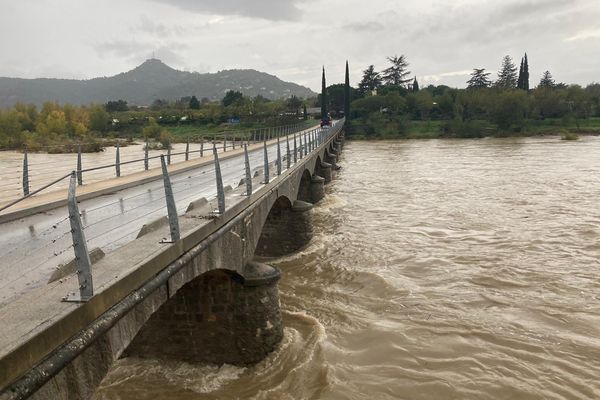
33	246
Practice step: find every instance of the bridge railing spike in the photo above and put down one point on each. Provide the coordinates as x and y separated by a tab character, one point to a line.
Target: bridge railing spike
25	174
248	179
266	162
187	150
146	166
118	161
83	264
287	151
170	200
219	182
295	150
79	166
278	157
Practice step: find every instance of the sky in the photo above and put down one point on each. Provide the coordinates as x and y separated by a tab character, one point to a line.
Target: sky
443	40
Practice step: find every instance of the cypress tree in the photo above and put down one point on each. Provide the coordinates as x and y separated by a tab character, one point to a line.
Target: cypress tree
521	75
525	73
347	93
323	97
415	85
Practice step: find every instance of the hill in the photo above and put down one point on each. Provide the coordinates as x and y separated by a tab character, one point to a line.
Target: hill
142	85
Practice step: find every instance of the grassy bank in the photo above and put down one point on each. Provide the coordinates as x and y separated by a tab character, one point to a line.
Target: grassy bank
442	129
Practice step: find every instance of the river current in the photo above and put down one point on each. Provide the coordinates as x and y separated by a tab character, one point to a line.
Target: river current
465	269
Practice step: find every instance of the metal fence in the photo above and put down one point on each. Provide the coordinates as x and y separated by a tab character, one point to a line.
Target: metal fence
50	174
110	225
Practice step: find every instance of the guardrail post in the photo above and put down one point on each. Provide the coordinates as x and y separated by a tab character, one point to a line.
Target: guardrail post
146	156
233	142
224	143
202	147
305	145
79	166
248	179
278	157
169	155
287	151
295	150
187	150
82	257
219	180
25	174
118	161
171	207
266	163
301	148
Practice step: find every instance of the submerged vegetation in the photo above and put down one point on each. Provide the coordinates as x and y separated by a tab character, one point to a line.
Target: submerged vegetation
62	128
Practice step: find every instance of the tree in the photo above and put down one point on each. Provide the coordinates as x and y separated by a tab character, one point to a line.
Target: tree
293	104
99	119
507	76
547	81
347	93
371	80
323	97
232	97
523	81
415	85
119	105
194	103
479	79
396	74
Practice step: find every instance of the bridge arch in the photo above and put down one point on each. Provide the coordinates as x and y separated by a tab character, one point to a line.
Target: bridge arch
218	317
287	228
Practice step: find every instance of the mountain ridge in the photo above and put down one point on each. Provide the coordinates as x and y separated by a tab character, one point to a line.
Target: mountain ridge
145	83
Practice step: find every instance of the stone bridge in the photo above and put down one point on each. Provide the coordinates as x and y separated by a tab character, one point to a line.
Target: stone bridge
205	298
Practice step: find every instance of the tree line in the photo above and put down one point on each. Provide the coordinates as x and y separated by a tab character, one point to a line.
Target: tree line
386	103
24	126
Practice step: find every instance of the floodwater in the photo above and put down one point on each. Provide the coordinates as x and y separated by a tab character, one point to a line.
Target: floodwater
45	168
465	269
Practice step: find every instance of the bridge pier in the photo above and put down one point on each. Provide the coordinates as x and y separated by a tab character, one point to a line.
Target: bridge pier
220	317
317	188
325	171
286	230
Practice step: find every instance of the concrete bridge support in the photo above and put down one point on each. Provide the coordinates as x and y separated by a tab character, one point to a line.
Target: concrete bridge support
220	317
325	171
317	188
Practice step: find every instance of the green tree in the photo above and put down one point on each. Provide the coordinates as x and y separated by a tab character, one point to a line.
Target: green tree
231	97
371	81
324	114
507	76
547	80
293	104
119	105
479	79
510	110
194	103
99	119
523	81
153	130
397	73
347	92
415	85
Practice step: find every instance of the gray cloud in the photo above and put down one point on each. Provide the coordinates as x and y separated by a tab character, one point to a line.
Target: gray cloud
362	27
275	10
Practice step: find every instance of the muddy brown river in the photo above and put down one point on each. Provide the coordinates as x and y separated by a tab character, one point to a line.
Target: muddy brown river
465	269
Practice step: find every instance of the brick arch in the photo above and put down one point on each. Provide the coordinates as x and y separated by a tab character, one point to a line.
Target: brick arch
286	229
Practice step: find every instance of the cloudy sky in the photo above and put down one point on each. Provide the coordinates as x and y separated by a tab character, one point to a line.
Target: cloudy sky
442	39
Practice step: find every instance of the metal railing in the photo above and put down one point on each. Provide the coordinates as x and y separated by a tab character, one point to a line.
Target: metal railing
176	189
229	142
